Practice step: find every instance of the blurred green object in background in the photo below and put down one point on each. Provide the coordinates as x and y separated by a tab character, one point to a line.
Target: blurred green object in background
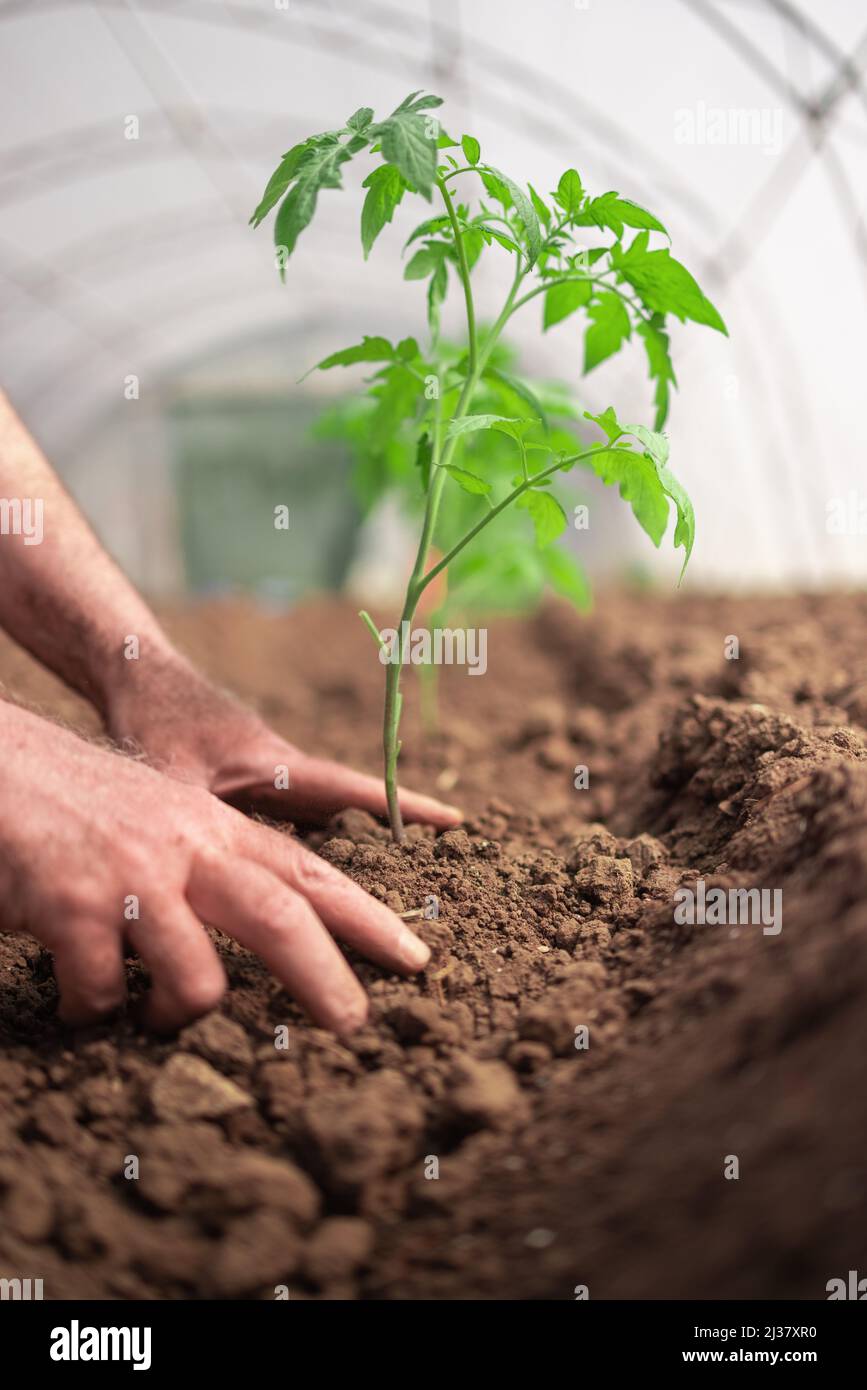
236	461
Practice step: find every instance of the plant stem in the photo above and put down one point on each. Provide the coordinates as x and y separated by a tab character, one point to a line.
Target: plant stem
464	274
391	743
419	580
393	699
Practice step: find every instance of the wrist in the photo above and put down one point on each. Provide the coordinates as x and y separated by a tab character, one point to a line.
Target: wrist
136	683
108	660
173	714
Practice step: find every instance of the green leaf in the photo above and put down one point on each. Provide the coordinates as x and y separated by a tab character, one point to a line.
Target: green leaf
548	516
659	364
645	480
639	485
499	236
569	192
321	162
425	261
657	448
278	183
470	147
429	227
468	481
406	350
563	299
409	141
655	443
520	389
611	211
356	144
608	422
566	577
474	244
543	212
397	394
385	188
666	286
318	167
468	424
368	350
515	429
588	256
496	187
418	101
294	214
684	531
633	215
608	329
502	574
527	213
360	120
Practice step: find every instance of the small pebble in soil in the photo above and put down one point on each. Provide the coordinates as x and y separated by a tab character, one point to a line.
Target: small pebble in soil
188	1087
220	1040
338	1247
539	1239
485	1094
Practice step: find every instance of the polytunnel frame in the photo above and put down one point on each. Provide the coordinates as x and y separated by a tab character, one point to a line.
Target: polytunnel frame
184	119
200	141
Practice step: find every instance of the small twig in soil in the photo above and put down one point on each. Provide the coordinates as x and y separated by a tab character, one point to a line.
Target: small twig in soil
437	975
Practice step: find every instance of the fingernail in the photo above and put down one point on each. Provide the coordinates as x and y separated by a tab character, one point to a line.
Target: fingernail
413	950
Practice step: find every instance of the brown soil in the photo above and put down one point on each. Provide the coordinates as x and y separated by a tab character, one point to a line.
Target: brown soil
605	1166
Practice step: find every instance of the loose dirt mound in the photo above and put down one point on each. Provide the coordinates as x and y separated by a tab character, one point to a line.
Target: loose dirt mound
468	1143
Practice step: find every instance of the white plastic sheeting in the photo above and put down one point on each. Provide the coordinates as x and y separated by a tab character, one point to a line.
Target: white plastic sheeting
741	123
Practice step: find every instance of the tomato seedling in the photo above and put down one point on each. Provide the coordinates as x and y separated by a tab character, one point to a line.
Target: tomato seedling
442	395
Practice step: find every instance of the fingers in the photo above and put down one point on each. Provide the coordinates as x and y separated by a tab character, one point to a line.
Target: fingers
249	903
187	977
350	913
319	786
416	807
89	969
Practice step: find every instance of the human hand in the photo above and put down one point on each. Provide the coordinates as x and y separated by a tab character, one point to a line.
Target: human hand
190	729
85	833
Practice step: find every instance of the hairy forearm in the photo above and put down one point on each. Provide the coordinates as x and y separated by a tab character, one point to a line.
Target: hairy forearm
61	595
